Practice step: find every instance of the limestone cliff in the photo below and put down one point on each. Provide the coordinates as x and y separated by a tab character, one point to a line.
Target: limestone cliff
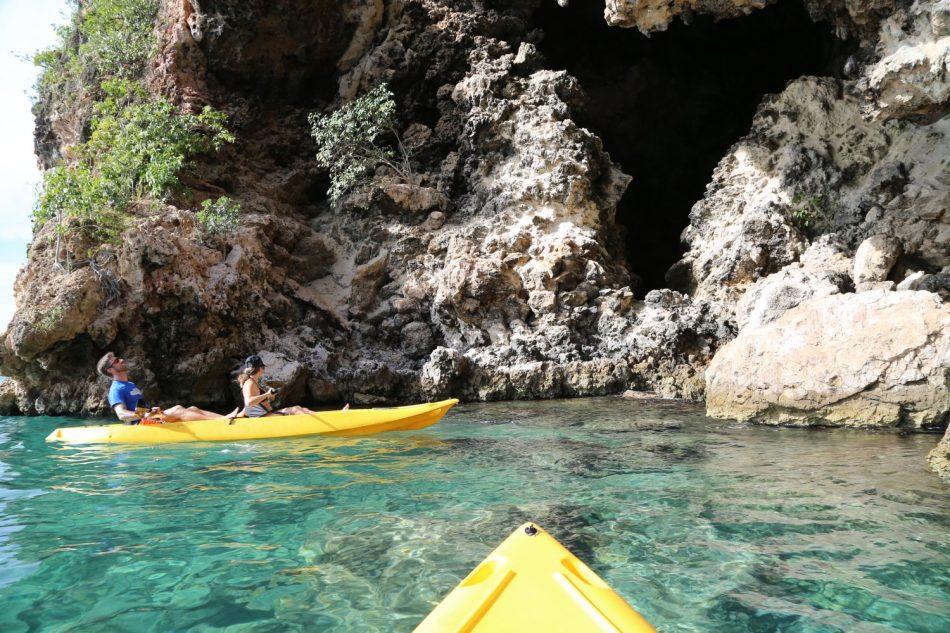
502	270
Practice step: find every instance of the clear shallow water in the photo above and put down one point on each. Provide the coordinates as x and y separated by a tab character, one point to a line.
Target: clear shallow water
700	524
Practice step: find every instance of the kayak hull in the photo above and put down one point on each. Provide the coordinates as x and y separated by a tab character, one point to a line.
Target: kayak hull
350	422
532	583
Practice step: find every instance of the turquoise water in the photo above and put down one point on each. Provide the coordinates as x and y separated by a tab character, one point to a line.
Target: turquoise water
702	525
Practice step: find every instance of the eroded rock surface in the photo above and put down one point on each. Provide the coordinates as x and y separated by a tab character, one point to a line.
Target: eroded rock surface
939	457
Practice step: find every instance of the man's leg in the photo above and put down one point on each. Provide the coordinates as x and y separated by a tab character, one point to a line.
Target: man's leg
179	413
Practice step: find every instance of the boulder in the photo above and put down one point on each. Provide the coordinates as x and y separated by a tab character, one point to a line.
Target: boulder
870	359
770	298
910	78
287	376
875	258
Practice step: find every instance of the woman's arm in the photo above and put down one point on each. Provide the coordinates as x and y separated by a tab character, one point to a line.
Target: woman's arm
250	398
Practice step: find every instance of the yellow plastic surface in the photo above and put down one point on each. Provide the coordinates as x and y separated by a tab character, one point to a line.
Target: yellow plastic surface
352	422
532	583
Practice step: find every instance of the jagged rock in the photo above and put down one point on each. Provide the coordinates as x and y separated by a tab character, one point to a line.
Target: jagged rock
9	396
770	298
875	258
366	282
850	17
911	79
911	281
497	272
414	199
939	457
938	283
869	359
444	371
810	165
287	376
656	15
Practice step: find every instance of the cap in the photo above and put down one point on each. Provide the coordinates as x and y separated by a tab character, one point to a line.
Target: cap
254	361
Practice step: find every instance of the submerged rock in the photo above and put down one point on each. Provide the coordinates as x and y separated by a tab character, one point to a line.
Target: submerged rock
870	359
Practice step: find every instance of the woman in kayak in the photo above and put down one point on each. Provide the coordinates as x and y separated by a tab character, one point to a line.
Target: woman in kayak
257	404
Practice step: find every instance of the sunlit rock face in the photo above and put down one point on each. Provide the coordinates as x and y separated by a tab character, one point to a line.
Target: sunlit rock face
656	15
939	457
812	165
868	359
840	186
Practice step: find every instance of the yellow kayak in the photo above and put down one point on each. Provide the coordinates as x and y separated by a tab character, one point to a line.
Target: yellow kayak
351	422
532	583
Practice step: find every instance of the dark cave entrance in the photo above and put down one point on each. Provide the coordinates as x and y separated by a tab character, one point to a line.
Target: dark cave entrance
669	106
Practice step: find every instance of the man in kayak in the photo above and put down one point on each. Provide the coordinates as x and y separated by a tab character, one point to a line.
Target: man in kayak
125	398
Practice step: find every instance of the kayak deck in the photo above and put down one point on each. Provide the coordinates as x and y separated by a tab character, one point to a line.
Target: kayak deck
532	583
350	422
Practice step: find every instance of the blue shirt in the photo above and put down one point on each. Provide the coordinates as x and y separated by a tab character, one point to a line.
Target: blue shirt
124	392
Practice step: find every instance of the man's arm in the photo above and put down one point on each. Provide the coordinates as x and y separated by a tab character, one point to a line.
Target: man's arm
124	414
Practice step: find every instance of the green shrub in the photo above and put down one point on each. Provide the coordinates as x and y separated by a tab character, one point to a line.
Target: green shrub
104	39
135	151
137	148
118	36
349	140
217	218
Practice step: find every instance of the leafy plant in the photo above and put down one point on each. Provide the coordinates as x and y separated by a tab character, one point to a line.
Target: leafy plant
218	218
118	36
807	211
104	39
350	140
135	151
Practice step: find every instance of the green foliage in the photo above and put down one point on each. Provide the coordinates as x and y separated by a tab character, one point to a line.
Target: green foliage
218	218
135	150
808	211
104	39
349	140
138	147
118	36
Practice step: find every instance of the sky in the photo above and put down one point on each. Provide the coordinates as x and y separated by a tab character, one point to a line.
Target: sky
26	26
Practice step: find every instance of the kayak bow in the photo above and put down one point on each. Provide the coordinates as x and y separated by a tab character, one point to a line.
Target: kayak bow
532	583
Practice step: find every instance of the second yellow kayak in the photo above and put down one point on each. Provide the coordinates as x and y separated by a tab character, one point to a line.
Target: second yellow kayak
352	422
532	583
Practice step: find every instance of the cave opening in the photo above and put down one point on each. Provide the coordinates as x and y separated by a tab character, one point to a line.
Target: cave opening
670	105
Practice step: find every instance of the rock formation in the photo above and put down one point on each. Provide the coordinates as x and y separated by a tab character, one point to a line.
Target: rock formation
939	457
499	270
868	359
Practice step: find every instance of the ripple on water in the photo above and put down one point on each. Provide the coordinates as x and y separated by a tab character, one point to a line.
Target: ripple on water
703	525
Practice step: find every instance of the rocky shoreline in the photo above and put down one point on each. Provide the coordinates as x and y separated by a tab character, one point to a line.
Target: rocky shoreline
813	288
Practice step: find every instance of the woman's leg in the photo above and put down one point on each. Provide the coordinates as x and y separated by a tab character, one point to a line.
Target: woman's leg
296	410
179	413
